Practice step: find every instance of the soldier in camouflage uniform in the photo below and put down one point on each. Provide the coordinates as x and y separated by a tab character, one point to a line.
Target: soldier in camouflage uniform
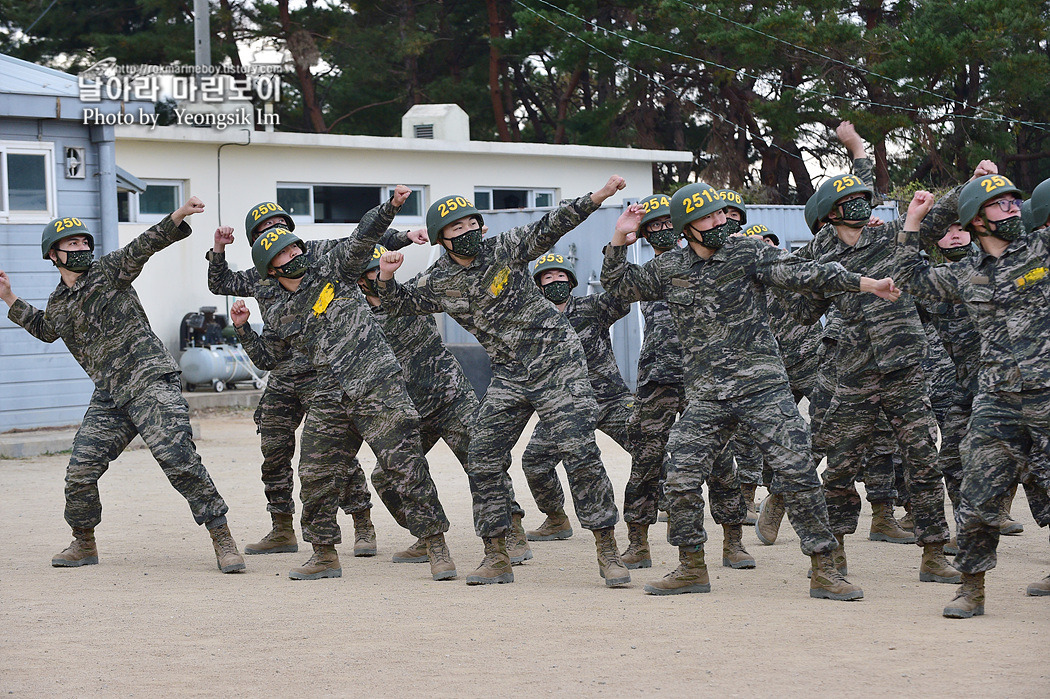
1005	290
97	313
440	391
538	364
879	370
319	311
660	399
282	406
715	290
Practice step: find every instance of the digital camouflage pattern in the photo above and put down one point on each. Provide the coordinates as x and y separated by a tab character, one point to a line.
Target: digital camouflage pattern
1008	299
538	364
101	321
137	389
358	383
660	359
718	306
656	406
282	406
591	318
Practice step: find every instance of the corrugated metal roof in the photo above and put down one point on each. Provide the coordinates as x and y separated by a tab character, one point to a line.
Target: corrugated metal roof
18	77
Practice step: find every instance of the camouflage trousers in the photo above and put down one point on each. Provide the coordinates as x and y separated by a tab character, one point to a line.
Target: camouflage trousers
541	454
953	430
281	409
656	406
781	435
451	421
880	461
160	415
1008	443
847	428
569	410
388	421
750	468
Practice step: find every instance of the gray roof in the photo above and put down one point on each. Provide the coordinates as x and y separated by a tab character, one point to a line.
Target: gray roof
18	77
128	182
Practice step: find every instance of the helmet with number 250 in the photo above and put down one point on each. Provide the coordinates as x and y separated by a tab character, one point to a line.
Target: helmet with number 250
445	211
976	192
262	212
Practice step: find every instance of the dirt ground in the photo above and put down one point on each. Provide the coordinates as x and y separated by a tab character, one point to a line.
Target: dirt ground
156	618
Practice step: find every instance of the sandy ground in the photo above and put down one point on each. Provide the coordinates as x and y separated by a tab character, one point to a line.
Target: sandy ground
156	618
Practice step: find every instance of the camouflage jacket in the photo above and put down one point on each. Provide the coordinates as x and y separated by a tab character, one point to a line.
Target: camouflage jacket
877	335
1007	298
327	319
495	299
432	374
960	338
100	318
591	317
796	341
719	308
223	281
660	360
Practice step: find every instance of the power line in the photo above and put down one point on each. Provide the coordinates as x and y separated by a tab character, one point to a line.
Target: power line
818	93
619	62
862	69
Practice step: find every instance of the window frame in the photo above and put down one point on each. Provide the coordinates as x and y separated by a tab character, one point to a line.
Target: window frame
44	148
530	192
135	216
385	191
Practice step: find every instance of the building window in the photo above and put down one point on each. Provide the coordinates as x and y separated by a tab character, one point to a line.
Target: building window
160	199
330	203
27	181
491	198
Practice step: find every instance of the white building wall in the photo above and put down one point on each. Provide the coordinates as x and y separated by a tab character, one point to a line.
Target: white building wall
175	281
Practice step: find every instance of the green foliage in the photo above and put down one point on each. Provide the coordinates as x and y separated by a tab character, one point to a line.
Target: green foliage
751	89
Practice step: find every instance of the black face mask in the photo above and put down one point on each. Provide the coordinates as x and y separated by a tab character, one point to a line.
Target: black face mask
1009	229
295	267
76	260
467	244
662	240
557	292
955	254
856	213
713	238
734	225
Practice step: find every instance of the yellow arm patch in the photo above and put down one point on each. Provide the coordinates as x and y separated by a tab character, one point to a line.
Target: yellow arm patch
323	299
1035	275
499	282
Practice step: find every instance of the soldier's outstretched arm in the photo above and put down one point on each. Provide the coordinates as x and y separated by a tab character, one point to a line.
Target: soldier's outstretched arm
126	264
352	253
21	313
622	279
528	242
413	299
914	272
265	351
222	281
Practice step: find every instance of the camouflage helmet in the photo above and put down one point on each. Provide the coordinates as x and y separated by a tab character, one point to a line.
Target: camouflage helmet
655	207
446	210
836	188
263	212
812	222
63	228
976	192
268	245
1036	210
733	200
553	260
373	262
762	231
694	201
